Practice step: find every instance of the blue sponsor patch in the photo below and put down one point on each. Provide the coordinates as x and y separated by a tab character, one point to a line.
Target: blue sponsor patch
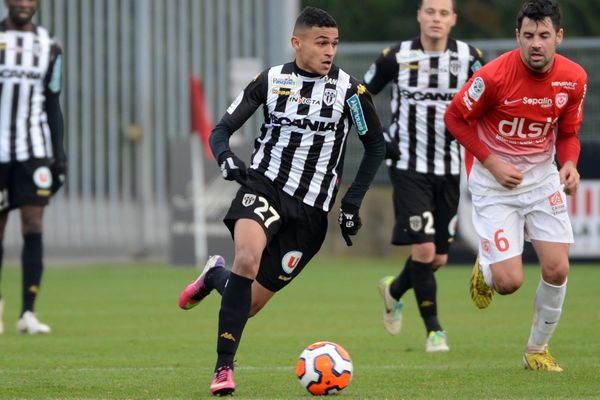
357	114
55	79
476	65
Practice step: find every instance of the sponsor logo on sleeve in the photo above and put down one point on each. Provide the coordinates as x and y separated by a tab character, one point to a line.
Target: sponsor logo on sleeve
235	103
357	114
370	73
56	78
581	102
477	88
476	66
467	102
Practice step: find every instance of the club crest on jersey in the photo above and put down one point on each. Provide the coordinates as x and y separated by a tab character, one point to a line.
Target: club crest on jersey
416	223
329	96
454	67
37	47
290	261
42	178
561	99
248	199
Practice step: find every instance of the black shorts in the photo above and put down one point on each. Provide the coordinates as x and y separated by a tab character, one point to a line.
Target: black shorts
295	231
25	183
425	207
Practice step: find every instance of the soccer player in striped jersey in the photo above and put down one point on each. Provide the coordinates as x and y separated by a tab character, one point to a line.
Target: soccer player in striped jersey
32	160
424	161
278	218
515	115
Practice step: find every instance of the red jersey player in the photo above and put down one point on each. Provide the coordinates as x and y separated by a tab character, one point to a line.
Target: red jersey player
513	115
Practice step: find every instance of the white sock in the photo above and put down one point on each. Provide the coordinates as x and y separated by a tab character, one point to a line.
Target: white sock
486	270
548	307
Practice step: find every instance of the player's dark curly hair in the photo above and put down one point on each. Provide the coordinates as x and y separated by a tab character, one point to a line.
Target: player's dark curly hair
537	10
312	16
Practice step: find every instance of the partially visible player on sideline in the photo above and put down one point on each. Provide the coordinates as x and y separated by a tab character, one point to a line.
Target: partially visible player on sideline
424	159
32	160
514	115
278	218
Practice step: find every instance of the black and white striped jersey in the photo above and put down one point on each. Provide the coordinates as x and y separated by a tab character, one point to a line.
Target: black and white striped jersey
30	68
424	84
306	123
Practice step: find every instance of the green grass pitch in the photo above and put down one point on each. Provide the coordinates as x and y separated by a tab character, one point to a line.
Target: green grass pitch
118	334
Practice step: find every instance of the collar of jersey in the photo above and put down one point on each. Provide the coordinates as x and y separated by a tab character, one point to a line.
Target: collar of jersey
304	73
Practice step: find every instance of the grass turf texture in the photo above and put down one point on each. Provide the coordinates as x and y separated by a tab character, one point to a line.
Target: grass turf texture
118	334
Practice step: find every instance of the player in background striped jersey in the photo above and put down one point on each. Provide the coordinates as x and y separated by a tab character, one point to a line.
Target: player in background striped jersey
32	160
424	161
278	218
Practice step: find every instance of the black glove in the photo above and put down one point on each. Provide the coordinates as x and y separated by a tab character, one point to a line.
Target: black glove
392	152
59	172
232	168
349	222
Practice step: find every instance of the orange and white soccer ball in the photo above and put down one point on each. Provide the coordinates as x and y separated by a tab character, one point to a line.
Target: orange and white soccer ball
324	368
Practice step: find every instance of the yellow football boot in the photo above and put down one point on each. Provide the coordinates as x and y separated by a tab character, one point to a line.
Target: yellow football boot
541	361
481	293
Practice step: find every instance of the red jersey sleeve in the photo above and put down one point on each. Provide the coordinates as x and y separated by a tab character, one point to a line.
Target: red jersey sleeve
571	118
568	146
471	102
477	95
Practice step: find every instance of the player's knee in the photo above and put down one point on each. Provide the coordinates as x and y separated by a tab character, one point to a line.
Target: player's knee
505	286
31	221
439	261
556	273
423	252
246	263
